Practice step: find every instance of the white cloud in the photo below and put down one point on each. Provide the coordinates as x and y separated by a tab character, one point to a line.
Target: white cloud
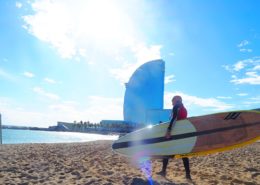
245	71
14	114
251	78
46	94
240	65
169	79
191	101
234	76
105	108
18	5
253	101
143	55
256	100
256	68
28	74
245	50
86	29
242	94
243	43
227	68
75	29
224	97
252	74
49	80
95	109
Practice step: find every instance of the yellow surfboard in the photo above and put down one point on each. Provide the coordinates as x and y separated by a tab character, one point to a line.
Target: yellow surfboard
194	136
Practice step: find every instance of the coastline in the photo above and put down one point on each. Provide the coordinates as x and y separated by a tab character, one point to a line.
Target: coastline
86	132
102	132
95	163
13	136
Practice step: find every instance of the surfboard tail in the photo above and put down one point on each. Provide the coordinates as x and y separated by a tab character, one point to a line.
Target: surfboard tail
257	109
203	153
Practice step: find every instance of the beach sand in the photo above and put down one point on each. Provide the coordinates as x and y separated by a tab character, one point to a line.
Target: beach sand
95	163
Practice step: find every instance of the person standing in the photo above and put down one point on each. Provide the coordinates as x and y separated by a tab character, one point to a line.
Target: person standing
179	112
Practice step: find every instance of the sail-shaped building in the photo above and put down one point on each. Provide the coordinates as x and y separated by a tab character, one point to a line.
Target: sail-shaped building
143	101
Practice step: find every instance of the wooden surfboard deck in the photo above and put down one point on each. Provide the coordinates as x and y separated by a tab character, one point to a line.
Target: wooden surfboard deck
194	136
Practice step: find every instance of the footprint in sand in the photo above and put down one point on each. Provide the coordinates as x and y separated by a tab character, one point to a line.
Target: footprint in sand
255	175
225	177
251	170
107	173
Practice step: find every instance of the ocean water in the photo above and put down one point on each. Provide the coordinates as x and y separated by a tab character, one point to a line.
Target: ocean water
12	136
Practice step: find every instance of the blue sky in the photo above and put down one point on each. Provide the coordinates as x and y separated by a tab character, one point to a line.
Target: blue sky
67	60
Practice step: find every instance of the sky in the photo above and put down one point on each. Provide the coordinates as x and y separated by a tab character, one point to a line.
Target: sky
67	60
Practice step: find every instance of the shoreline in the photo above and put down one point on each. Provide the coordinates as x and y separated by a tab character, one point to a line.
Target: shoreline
88	132
11	136
94	162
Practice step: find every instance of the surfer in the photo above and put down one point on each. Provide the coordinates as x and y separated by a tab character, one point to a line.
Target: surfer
179	112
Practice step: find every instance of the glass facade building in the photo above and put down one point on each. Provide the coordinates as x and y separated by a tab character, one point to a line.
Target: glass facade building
143	101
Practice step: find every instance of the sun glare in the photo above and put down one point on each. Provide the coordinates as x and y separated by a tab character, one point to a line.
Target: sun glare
103	21
86	25
150	126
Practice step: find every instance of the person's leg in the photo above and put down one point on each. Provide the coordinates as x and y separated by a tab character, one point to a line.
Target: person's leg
165	164
164	167
187	167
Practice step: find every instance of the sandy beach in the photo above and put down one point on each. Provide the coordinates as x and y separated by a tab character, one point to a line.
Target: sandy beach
95	163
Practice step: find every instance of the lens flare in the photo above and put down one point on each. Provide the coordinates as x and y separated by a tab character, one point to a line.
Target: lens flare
144	163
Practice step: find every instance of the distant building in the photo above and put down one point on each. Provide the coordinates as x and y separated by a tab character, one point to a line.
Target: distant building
143	100
111	122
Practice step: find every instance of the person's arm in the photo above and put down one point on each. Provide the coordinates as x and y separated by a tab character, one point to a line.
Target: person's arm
175	112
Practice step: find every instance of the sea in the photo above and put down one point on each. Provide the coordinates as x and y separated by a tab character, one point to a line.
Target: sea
13	136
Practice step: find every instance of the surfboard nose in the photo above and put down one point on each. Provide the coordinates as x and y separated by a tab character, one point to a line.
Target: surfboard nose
113	146
116	145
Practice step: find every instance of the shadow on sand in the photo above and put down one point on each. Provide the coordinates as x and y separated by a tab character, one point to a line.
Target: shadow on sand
140	181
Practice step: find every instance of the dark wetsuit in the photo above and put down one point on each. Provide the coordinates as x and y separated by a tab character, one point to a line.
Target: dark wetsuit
179	112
